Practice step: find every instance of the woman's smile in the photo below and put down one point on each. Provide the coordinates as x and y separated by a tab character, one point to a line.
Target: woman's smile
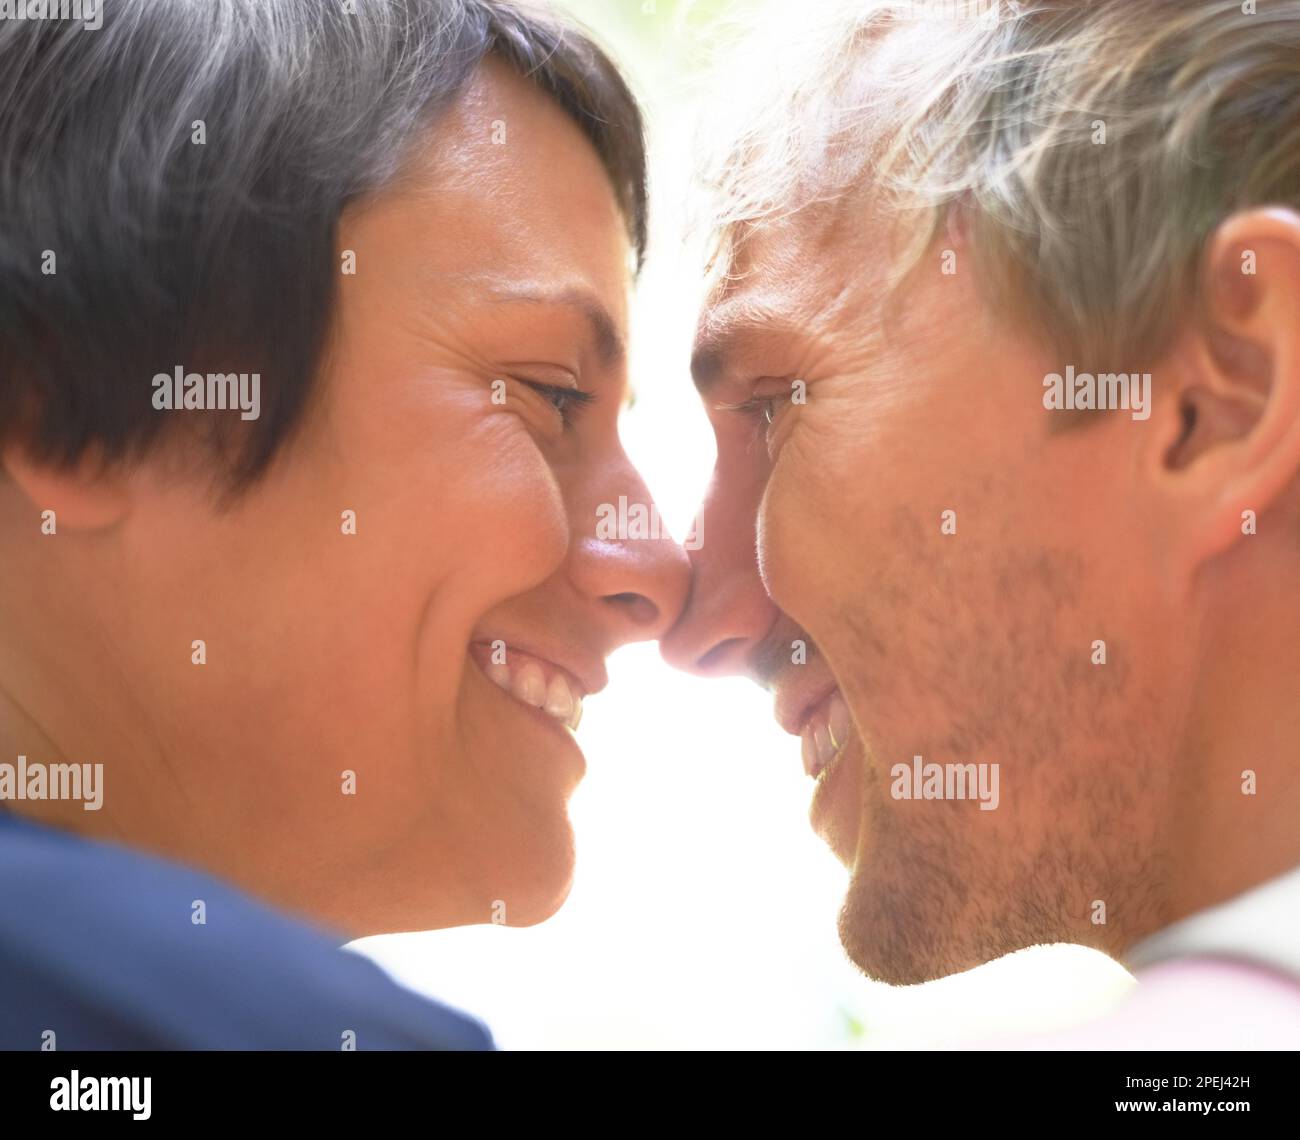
533	680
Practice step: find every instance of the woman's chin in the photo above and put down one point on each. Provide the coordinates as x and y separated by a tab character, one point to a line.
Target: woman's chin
536	882
526	883
546	905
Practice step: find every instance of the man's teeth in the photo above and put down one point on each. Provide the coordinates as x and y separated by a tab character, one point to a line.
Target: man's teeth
527	682
825	734
560	700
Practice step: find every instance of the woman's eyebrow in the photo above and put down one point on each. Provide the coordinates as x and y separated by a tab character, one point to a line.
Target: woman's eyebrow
605	336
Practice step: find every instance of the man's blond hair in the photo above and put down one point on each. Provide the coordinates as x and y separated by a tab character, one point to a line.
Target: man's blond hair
1089	147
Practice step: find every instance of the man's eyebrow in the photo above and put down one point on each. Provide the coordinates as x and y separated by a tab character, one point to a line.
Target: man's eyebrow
604	332
709	360
720	335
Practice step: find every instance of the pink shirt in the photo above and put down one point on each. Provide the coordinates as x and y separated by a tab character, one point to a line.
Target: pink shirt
1225	978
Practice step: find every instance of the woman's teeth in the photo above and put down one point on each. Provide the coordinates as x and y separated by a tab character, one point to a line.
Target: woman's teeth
526	681
825	734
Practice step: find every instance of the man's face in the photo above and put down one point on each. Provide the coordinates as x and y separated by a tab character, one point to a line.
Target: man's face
826	527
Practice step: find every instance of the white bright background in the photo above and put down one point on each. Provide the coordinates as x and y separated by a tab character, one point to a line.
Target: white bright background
703	913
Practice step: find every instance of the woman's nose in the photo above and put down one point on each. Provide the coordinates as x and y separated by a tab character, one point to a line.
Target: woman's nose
625	559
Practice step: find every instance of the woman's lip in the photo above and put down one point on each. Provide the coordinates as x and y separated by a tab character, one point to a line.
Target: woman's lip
558	720
585	676
534	681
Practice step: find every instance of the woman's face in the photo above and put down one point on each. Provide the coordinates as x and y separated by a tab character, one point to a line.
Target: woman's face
351	749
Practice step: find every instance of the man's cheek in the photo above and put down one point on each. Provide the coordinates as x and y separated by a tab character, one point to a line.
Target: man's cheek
794	553
816	483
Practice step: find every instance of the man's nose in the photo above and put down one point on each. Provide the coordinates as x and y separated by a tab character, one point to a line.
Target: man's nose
728	612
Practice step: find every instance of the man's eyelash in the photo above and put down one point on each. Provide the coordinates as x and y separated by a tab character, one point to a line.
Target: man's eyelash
755	406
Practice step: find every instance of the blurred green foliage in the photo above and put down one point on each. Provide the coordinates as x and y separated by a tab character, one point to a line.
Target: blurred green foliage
653	39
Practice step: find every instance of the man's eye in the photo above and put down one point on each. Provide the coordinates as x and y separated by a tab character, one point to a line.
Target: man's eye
566	401
756	407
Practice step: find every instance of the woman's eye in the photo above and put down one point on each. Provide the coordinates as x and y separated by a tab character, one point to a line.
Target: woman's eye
566	401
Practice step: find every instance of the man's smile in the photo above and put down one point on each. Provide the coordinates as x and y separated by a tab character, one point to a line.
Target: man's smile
813	709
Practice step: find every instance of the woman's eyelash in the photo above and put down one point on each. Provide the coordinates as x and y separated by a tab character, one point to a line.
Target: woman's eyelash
567	401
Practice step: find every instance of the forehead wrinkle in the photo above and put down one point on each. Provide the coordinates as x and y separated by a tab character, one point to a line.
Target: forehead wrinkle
810	274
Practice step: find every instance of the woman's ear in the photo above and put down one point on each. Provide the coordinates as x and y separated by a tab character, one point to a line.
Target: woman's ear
86	495
1236	378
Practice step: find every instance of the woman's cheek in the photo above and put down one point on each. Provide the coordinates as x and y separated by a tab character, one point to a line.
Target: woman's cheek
510	508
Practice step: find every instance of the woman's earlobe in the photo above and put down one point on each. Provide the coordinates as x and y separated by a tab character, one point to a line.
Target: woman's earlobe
88	494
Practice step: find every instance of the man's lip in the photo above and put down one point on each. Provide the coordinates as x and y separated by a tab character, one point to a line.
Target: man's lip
586	675
796	702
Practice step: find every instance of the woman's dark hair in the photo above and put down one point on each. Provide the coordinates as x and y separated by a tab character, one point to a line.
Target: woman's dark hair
220	254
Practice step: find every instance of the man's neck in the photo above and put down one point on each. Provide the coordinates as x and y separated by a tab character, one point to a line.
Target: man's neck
1237	822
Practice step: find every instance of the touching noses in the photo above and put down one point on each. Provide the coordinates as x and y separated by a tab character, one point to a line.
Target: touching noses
625	559
728	612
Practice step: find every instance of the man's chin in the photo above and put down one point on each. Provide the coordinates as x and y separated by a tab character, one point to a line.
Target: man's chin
871	948
903	932
885	959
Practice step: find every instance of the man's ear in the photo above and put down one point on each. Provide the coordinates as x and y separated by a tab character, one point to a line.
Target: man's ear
1227	440
87	495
